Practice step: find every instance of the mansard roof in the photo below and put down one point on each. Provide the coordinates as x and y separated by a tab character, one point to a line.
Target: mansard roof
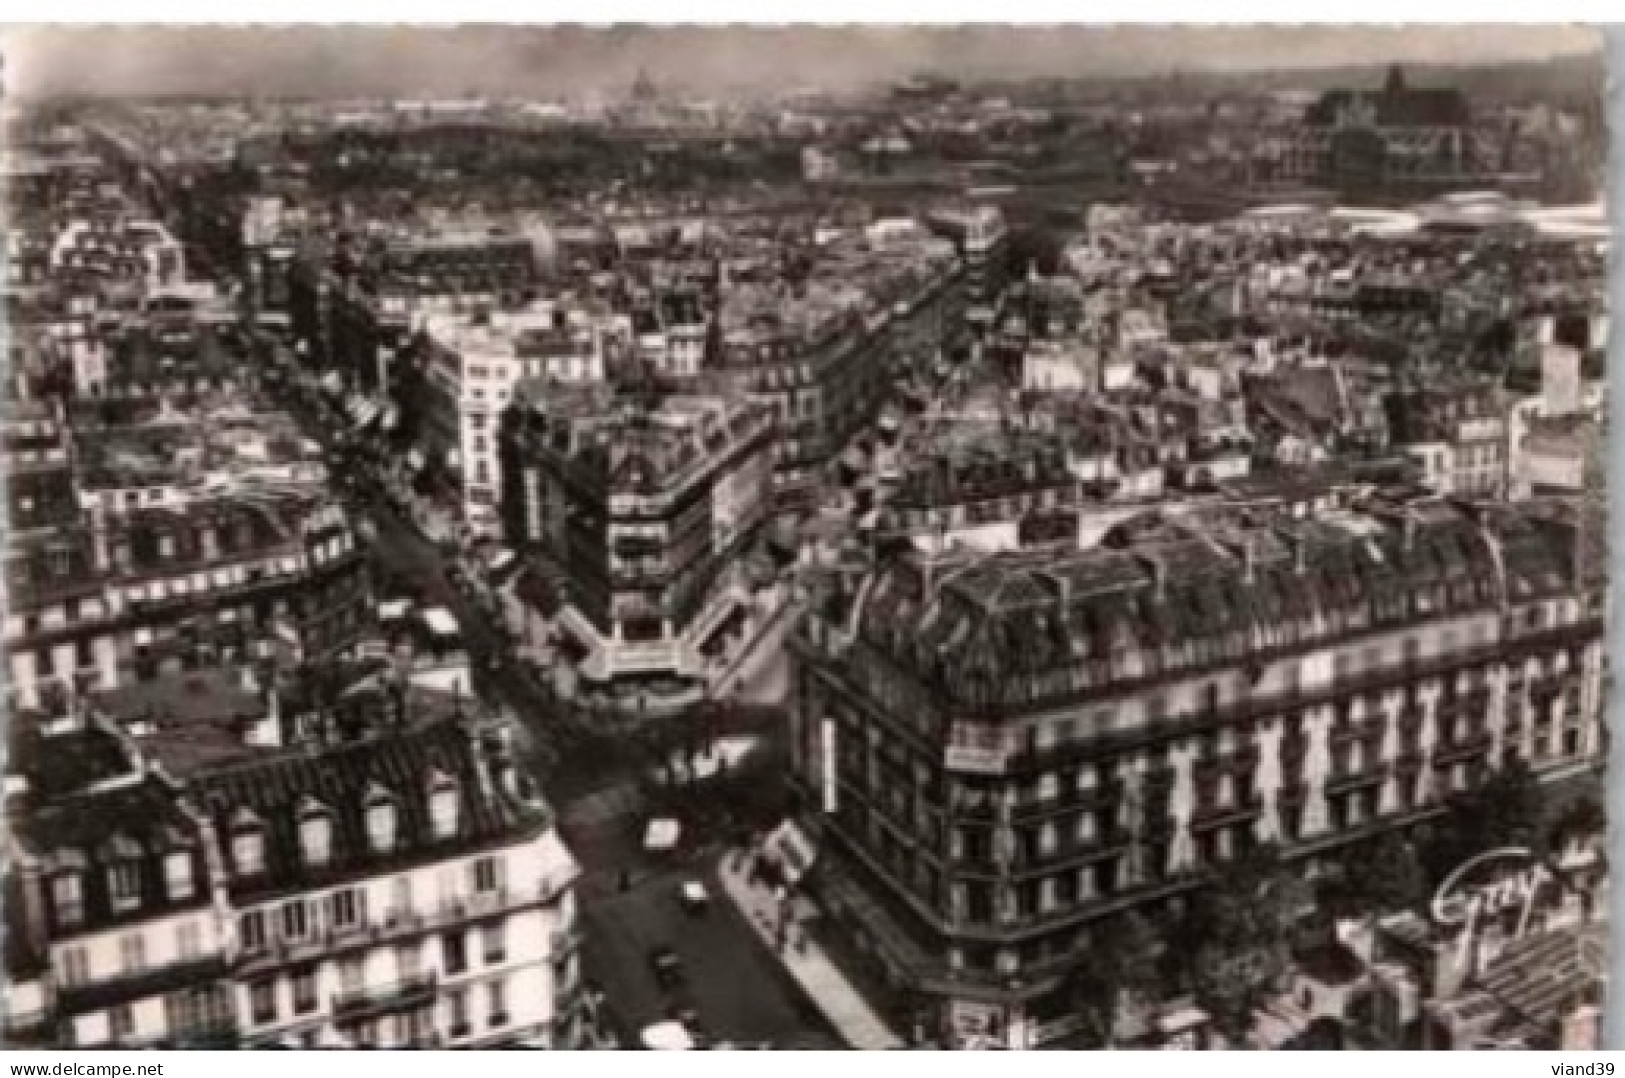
990	629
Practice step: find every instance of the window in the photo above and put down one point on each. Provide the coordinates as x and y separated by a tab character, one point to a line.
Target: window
495	944
401	900
457	1012
75	966
67	895
262	1001
295	922
408	961
347	908
352	976
248	852
178	882
304	990
132	953
487	872
124	884
381	823
443	808
121	1022
455	955
316	835
251	931
188	940
496	994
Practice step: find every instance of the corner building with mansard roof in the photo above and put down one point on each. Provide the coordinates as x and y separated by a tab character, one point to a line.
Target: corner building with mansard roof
1000	753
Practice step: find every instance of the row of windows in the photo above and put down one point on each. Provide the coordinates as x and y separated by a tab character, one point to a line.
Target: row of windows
186	1012
74	962
302	919
124	886
264	998
316	828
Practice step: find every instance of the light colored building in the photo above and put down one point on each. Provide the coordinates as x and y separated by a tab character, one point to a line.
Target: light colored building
475	360
377	875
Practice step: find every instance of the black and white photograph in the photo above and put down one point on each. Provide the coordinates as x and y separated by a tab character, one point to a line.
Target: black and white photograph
810	538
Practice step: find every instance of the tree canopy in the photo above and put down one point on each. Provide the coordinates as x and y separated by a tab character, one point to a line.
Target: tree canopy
1507	810
1120	965
1238	936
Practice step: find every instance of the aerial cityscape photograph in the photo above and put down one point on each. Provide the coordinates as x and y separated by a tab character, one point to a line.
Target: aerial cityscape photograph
818	538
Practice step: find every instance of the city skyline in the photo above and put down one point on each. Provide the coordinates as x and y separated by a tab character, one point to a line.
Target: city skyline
545	61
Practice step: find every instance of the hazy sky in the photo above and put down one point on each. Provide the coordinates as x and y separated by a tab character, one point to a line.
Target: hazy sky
550	61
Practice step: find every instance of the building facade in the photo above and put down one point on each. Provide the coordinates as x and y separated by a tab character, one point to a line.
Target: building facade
126	594
1002	751
399	885
644	511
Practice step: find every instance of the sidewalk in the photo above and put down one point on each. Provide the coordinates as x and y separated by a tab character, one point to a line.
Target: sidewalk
856	1022
761	648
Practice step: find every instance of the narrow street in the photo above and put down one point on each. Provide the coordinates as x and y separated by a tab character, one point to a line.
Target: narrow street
603	805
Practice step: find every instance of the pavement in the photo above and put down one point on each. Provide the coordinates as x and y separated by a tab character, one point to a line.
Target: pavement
820	978
762	674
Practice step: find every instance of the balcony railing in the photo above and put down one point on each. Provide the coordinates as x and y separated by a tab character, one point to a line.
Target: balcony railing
1378	682
1472	744
1349	778
1068	797
398	924
1217	815
360	1004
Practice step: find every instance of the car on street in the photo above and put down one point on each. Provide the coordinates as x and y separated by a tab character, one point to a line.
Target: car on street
668	969
694	897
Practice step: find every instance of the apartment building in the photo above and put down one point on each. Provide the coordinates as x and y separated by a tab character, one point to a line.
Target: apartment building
643	510
380	877
1004	750
825	355
1458	432
982	238
126	592
473	363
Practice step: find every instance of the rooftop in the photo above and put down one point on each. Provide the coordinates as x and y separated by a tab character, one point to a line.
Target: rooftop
638	446
1014	628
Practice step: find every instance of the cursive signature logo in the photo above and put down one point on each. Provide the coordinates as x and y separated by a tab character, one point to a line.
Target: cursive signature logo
1463	903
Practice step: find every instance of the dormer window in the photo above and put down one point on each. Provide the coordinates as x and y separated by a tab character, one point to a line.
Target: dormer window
381	821
179	880
443	806
68	898
123	874
247	844
315	833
